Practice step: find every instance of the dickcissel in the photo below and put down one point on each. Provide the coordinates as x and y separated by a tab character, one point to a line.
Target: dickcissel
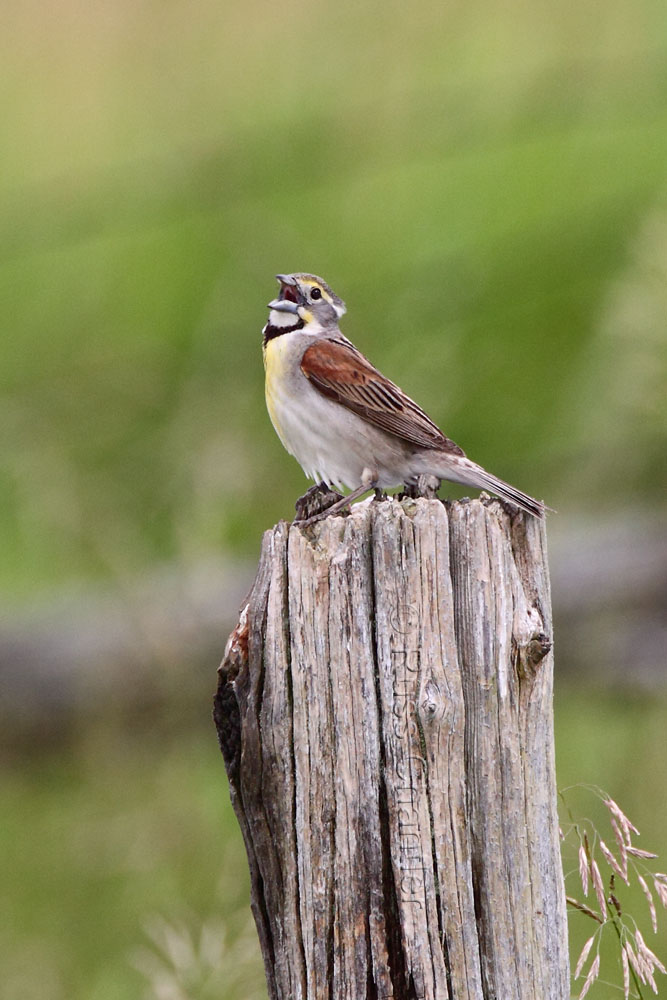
345	423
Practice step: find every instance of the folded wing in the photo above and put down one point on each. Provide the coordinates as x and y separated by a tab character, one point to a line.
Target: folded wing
340	372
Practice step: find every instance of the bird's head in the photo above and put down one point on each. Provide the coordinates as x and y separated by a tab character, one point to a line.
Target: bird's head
307	298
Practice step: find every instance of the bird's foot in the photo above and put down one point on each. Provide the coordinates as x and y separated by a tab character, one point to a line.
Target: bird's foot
424	486
341	504
315	502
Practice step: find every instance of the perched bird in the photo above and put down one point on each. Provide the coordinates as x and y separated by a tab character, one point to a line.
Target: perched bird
345	423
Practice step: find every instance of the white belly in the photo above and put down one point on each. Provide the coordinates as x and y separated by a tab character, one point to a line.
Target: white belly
331	443
317	432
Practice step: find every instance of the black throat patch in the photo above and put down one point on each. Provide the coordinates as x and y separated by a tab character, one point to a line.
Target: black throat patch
270	332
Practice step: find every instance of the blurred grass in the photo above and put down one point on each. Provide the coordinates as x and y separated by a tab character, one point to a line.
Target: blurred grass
617	744
475	181
97	842
484	184
121	830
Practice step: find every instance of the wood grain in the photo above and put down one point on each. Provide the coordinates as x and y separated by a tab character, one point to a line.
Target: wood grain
384	710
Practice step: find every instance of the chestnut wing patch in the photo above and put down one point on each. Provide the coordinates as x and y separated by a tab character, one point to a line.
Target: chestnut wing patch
339	371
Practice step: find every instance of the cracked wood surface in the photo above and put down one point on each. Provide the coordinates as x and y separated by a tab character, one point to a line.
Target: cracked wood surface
384	711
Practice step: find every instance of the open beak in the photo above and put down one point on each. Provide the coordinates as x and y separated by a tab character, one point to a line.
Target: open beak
289	298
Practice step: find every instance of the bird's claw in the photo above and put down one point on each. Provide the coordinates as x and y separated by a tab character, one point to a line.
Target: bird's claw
425	486
315	503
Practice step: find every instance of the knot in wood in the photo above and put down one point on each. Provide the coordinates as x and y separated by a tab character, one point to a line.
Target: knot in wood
531	653
432	706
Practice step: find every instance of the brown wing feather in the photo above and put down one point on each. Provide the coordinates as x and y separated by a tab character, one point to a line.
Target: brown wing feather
338	370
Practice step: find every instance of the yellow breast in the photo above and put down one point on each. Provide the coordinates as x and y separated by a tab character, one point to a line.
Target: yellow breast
275	367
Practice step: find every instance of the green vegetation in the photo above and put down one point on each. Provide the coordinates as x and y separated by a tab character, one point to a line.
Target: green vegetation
484	184
616	744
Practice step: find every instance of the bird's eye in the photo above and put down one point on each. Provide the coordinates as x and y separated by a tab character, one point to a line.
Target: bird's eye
316	293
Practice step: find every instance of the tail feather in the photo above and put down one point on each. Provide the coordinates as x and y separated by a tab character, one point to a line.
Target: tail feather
470	474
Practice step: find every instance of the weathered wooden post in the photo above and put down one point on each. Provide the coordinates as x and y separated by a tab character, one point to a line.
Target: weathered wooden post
384	711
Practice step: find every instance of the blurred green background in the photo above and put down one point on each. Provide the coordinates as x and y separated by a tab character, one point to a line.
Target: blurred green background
486	186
